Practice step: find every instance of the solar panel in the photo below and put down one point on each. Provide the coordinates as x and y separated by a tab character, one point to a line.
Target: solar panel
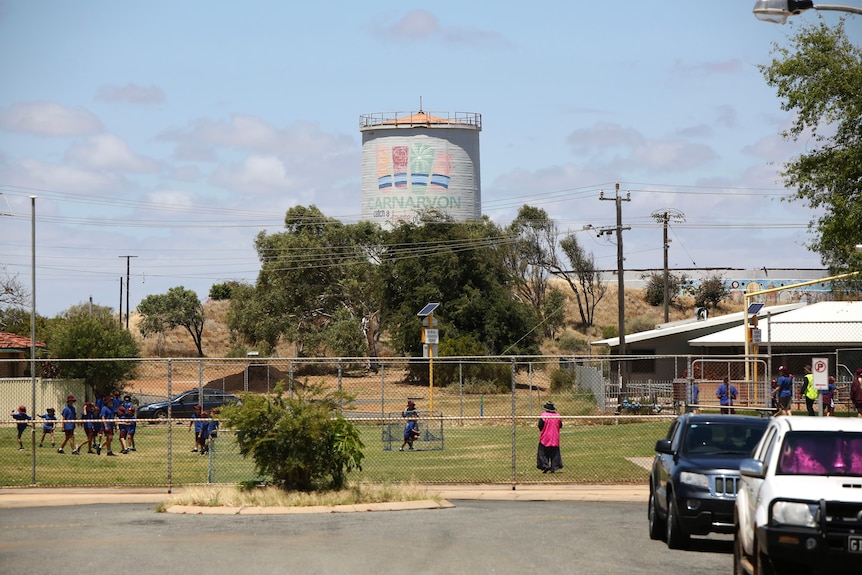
753	308
428	309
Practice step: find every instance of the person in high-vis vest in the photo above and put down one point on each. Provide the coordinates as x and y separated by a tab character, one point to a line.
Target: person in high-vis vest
809	392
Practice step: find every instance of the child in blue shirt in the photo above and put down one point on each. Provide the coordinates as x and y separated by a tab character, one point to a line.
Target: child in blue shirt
131	426
48	426
22	418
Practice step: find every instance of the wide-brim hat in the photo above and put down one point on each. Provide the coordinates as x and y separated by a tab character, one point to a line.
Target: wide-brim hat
70	398
549	406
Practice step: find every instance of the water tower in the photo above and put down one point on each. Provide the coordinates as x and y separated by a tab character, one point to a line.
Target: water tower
416	161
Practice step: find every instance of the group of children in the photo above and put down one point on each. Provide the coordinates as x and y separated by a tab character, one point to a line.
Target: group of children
24	420
102	420
206	429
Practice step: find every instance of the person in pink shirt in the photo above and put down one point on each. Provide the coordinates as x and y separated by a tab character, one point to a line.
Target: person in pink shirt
548	457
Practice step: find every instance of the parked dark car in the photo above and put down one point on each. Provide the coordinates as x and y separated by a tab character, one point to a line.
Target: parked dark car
183	404
695	475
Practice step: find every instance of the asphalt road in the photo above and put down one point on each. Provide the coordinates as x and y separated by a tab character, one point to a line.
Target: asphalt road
474	537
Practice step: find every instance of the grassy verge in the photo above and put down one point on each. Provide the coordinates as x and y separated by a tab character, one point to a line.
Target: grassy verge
357	493
474	452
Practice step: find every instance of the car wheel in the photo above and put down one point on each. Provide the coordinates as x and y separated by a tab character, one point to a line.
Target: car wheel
676	537
656	526
161	415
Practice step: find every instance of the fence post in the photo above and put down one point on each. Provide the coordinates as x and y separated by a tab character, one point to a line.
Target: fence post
514	420
170	427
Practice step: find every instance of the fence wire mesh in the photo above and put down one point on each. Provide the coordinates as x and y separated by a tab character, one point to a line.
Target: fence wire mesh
477	418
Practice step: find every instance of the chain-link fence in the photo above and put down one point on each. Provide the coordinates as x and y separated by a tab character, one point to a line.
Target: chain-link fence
477	419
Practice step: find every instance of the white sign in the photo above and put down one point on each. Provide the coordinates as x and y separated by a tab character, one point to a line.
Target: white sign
755	335
432	336
820	370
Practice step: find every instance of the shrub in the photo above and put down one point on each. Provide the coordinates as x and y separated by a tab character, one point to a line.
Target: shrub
497	376
571	343
563	380
301	443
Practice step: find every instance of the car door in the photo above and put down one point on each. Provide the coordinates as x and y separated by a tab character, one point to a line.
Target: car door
185	407
663	467
750	488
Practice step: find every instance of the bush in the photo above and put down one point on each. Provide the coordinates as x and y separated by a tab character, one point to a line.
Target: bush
654	290
301	443
497	376
571	343
563	380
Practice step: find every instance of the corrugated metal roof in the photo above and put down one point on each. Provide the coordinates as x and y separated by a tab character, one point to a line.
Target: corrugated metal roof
693	325
824	323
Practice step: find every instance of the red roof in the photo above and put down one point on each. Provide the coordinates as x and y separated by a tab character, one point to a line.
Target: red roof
15	341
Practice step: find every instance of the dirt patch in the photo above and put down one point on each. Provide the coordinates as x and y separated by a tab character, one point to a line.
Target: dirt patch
261	379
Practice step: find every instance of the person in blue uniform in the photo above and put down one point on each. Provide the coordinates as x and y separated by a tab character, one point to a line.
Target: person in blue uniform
411	429
50	417
69	416
108	425
23	422
199	425
784	391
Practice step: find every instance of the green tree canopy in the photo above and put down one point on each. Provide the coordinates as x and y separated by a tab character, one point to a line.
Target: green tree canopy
819	78
461	266
177	308
91	332
534	237
309	272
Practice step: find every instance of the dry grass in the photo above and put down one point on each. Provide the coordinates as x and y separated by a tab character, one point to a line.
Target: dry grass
230	496
217	342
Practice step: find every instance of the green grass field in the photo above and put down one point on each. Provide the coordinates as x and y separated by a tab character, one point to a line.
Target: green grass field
472	453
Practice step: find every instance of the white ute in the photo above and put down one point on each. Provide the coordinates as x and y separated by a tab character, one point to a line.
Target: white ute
799	501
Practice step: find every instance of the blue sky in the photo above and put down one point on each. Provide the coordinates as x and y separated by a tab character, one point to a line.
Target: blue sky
177	131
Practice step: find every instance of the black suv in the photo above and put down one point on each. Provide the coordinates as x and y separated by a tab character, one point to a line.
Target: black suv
695	474
183	404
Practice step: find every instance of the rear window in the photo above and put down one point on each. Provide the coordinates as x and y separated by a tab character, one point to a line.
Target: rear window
724	438
821	453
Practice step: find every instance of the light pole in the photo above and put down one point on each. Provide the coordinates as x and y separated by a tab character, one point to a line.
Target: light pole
778	11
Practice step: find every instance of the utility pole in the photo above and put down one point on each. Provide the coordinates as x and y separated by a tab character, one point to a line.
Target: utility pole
621	288
128	258
121	301
663	217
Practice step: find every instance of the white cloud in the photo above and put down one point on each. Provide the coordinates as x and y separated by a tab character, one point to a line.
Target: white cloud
622	149
255	174
421	25
173	198
109	152
131	93
49	119
44	176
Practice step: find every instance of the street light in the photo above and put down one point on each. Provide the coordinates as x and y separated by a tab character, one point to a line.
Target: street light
777	11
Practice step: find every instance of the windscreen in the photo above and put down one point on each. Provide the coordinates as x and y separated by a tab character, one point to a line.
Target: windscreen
723	438
821	453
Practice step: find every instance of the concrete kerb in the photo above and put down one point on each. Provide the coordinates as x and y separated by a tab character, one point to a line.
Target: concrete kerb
44	497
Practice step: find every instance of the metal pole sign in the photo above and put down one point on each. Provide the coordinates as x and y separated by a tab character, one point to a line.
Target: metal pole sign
820	370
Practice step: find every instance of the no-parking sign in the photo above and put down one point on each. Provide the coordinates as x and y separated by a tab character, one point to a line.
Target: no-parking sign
820	370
